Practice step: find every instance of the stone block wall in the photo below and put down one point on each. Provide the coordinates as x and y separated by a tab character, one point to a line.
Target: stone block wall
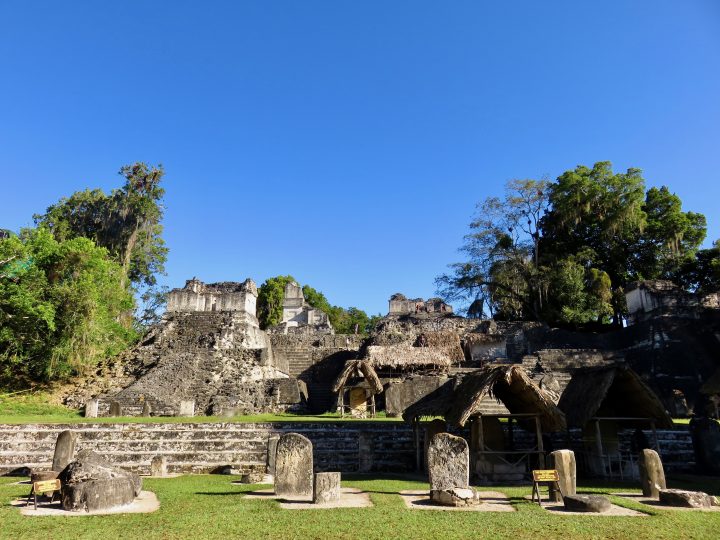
212	447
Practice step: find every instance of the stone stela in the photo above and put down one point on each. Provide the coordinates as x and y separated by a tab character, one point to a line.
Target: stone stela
294	467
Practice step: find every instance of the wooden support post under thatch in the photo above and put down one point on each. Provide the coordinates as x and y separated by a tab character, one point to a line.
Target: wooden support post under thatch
416	429
541	449
598	444
372	405
481	435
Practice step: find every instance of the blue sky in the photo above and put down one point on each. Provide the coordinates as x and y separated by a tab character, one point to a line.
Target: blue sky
345	142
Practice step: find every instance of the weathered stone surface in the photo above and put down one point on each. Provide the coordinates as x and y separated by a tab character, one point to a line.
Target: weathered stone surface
294	466
563	461
455	497
252	478
91	408
91	483
187	408
147	409
652	475
706	443
687	499
431	429
587	503
326	488
64	450
158	466
399	396
448	462
115	409
271	451
39	476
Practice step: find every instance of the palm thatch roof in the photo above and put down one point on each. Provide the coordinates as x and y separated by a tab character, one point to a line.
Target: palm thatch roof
614	391
357	368
407	356
508	384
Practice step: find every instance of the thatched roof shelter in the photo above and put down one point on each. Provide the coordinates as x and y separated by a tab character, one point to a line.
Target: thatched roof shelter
614	391
508	384
406	356
358	368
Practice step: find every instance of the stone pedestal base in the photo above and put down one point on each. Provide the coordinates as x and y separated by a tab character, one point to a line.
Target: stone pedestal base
587	503
455	497
326	487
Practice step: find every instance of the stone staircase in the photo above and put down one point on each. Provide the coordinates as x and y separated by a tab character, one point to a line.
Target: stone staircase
212	447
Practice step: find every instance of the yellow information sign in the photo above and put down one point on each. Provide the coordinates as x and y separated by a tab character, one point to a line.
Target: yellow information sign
46	486
545	475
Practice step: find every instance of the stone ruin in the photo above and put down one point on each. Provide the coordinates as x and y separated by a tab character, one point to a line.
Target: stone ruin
300	317
448	464
90	483
209	348
400	305
207	356
294	467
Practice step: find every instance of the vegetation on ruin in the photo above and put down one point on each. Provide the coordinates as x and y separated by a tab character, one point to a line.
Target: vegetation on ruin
211	506
63	307
67	286
562	251
343	320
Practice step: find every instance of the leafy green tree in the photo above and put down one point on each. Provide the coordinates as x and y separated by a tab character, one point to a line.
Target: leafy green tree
562	252
126	222
702	274
270	300
670	237
61	310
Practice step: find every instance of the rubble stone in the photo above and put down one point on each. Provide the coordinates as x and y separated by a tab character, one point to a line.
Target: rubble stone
687	499
91	483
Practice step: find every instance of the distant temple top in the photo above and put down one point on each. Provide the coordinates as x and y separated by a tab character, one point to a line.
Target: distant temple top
401	305
223	296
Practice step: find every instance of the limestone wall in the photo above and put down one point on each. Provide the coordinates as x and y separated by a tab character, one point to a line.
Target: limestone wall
204	448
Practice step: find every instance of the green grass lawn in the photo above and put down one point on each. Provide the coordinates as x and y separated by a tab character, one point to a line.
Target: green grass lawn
34	408
208	506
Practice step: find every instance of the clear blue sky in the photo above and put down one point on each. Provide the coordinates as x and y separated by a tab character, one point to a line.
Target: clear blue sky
348	142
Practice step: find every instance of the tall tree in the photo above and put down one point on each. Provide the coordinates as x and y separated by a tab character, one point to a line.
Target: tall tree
501	276
597	215
670	237
126	222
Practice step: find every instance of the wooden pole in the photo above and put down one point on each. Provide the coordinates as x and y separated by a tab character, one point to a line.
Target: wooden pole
416	429
541	448
598	444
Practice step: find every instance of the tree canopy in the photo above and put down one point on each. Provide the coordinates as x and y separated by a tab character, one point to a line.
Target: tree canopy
63	307
563	251
126	222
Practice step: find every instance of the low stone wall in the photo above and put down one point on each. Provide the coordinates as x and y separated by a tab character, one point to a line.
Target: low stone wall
211	447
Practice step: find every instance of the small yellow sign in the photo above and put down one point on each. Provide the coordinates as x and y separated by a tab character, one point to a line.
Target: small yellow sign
545	475
46	486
